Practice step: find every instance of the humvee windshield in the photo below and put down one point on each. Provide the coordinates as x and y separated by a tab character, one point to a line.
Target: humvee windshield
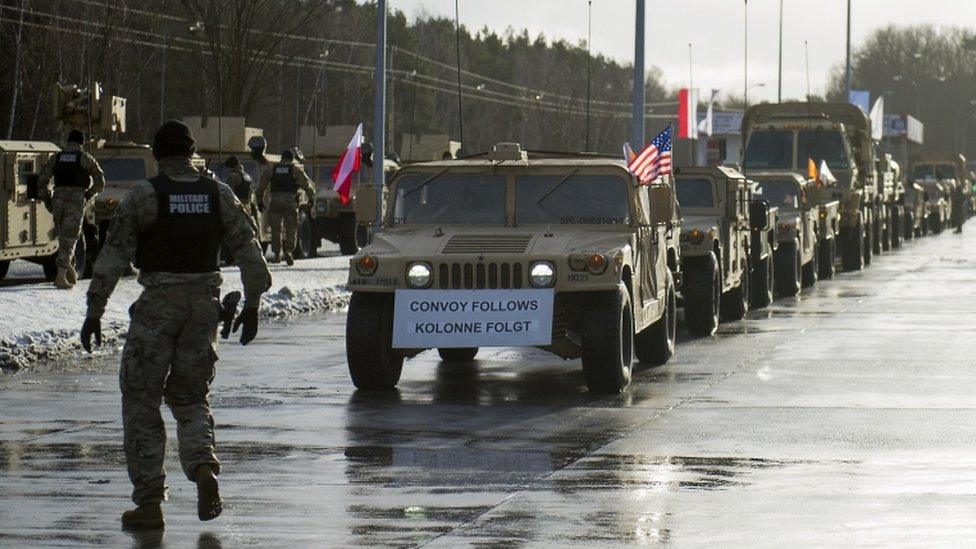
822	145
934	171
695	193
769	149
123	169
450	199
580	199
780	192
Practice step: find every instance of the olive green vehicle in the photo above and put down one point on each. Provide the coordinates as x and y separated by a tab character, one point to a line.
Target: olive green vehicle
566	254
26	227
944	174
715	246
787	136
797	258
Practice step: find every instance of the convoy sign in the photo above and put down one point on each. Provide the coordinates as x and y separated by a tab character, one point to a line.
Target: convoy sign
425	319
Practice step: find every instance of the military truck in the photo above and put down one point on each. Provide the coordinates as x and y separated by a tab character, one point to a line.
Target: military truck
949	171
567	254
787	136
763	219
26	226
335	221
715	246
798	254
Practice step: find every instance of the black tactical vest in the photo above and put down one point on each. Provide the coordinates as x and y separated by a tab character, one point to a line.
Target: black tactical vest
243	188
68	171
187	233
283	179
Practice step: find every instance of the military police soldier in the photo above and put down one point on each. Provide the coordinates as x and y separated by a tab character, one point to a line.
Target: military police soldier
285	179
172	226
77	178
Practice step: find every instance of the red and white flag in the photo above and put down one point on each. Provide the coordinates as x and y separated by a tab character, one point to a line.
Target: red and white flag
688	113
348	166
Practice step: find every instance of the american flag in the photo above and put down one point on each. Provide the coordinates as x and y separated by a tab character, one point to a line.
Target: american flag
655	160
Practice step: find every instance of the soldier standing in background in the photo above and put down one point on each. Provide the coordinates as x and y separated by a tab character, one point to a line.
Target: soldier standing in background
172	226
239	181
77	178
958	206
285	179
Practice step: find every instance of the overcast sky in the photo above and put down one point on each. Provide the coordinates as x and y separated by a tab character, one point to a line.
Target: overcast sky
715	28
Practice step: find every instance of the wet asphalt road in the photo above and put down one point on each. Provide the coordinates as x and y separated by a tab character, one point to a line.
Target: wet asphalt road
845	416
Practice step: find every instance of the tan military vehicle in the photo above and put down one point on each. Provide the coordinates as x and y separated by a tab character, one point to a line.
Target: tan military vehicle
797	258
763	219
715	246
335	221
941	173
565	254
891	194
26	226
916	209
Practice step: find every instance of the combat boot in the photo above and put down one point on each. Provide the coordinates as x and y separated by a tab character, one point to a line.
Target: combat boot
289	260
61	280
72	275
209	504
144	517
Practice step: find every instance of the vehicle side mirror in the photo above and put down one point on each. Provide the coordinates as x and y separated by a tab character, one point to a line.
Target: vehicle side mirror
759	215
662	204
32	180
366	203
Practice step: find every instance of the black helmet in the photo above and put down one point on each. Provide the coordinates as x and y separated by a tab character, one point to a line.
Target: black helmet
173	139
232	162
287	156
75	136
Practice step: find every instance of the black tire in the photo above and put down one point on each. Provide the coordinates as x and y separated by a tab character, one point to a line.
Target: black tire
877	235
373	364
348	243
607	338
812	269
852	254
702	292
868	243
788	269
827	259
763	283
4	267
303	244
735	302
463	354
655	345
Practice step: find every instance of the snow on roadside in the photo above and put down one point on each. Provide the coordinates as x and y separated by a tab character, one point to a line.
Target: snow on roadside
38	321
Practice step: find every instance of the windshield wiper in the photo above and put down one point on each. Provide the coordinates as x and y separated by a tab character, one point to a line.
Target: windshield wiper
557	185
424	184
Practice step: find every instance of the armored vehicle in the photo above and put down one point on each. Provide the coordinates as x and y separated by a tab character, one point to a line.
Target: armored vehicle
565	254
797	258
715	246
787	136
26	226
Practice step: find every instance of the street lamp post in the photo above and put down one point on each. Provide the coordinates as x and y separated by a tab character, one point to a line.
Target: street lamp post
637	116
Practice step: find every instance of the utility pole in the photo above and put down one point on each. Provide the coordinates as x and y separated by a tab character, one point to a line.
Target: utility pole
745	55
779	87
589	68
847	71
379	111
637	122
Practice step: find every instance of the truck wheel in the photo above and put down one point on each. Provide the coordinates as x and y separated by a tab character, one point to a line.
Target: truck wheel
348	245
762	283
788	269
4	267
702	292
607	340
463	354
303	246
373	364
852	257
655	345
826	259
735	302
812	268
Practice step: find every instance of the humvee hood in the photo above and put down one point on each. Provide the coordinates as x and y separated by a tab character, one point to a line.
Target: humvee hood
498	241
701	222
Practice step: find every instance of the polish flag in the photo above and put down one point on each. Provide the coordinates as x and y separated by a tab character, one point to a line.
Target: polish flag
347	167
688	113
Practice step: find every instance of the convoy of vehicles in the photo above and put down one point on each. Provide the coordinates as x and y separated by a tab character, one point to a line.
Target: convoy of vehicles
948	188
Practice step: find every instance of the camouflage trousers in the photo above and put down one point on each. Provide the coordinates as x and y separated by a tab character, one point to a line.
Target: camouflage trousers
169	354
68	207
283	211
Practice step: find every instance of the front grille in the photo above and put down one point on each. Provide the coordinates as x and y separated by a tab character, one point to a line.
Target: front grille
487	244
479	276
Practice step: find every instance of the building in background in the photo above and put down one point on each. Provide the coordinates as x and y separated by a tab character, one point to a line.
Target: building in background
724	147
904	135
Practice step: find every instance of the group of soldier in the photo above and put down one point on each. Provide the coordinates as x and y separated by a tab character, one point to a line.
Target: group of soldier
172	227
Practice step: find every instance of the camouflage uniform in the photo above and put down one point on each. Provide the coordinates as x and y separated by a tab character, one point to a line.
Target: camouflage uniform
283	208
240	182
169	349
68	203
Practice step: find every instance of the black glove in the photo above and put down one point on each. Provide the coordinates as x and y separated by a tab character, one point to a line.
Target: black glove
92	326
249	319
228	308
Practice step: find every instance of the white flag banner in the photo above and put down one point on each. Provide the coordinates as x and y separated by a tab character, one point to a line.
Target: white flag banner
706	125
826	177
877	119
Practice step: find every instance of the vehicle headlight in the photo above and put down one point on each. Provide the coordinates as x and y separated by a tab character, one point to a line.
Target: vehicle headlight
696	236
366	265
419	275
596	263
542	274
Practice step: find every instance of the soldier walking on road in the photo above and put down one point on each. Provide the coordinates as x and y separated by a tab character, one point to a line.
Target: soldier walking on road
77	178
285	179
958	207
172	226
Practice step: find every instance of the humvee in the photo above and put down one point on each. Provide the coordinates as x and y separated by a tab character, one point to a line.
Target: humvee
949	171
26	226
915	210
763	218
565	254
715	246
787	136
797	258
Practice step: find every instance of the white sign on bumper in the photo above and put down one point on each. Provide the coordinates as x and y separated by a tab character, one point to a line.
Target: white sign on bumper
425	319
